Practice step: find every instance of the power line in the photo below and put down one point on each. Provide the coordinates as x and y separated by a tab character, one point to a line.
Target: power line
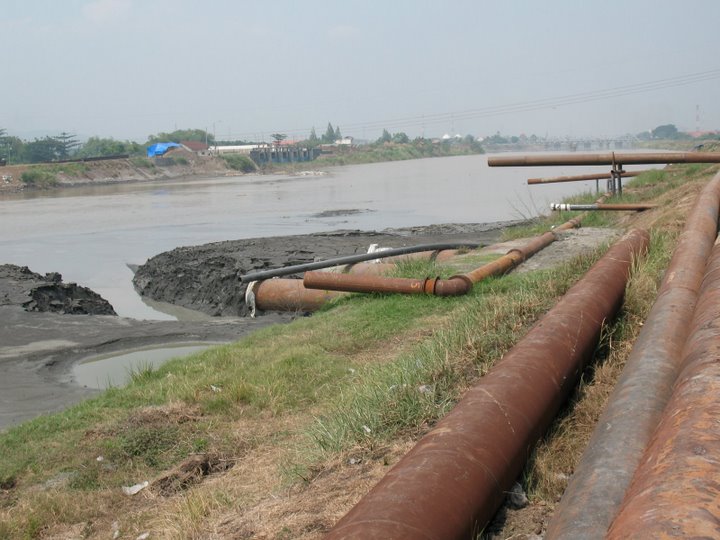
526	106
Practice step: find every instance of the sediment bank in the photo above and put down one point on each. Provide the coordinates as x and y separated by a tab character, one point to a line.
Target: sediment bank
206	278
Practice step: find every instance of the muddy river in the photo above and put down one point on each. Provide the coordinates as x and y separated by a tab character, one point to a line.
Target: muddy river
91	234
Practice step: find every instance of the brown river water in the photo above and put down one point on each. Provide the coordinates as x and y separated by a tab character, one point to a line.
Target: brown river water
90	234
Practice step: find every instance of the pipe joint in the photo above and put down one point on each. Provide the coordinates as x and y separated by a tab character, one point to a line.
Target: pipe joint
453	286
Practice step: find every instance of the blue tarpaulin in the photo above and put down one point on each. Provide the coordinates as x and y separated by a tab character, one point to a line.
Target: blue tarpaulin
158	149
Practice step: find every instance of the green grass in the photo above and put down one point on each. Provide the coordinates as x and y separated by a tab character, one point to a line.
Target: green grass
557	455
39	177
376	153
239	162
418	388
358	374
45	176
73	170
278	369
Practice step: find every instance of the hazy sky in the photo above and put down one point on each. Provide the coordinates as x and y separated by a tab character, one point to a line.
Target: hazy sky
130	68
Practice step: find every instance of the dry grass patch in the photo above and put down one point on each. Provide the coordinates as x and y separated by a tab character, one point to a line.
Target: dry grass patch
308	510
557	455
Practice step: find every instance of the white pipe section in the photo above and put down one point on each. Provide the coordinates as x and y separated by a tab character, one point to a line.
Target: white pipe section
563	207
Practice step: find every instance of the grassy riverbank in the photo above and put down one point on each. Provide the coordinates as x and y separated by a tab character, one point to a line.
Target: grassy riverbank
382	152
277	435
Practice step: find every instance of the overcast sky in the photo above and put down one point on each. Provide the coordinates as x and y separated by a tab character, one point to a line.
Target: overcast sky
130	68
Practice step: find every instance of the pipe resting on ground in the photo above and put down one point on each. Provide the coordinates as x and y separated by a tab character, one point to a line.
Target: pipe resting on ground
598	484
458	474
454	286
675	490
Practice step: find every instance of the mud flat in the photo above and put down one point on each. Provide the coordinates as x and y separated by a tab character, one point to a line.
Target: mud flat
206	278
48	326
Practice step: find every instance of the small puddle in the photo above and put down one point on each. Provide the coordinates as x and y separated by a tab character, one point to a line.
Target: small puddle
102	372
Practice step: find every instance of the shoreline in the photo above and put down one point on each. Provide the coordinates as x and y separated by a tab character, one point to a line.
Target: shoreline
39	349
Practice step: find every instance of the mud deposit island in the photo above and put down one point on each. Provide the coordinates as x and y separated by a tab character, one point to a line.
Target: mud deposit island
49	325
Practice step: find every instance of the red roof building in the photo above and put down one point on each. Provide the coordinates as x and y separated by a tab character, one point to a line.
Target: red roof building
195	146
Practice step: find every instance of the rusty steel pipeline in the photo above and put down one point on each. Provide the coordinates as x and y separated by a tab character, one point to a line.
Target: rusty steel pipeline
581	177
291	295
675	490
598	485
457	475
285	295
453	286
611	158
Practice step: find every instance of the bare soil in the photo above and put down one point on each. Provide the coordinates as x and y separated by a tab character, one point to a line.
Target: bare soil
121	170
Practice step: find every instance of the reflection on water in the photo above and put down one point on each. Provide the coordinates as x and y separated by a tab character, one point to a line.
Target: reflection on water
116	370
90	234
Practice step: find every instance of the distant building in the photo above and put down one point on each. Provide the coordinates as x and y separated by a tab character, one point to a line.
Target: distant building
237	149
198	147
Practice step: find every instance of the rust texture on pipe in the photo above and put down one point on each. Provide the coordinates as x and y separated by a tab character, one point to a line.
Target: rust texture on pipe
598	485
375	269
611	158
457	475
454	286
581	177
289	295
362	282
675	491
571	223
442	255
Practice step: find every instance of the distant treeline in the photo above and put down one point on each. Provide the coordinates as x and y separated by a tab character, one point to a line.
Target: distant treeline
67	147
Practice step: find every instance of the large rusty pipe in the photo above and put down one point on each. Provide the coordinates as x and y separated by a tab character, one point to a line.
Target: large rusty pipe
454	286
285	295
363	283
675	492
456	477
611	158
598	485
616	207
581	177
363	268
291	295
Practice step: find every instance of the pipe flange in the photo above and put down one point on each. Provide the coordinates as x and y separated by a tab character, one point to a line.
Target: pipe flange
250	297
429	285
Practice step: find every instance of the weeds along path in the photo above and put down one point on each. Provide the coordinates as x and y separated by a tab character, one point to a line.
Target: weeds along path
289	427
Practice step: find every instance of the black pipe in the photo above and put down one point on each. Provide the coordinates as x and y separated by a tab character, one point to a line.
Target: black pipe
351	259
